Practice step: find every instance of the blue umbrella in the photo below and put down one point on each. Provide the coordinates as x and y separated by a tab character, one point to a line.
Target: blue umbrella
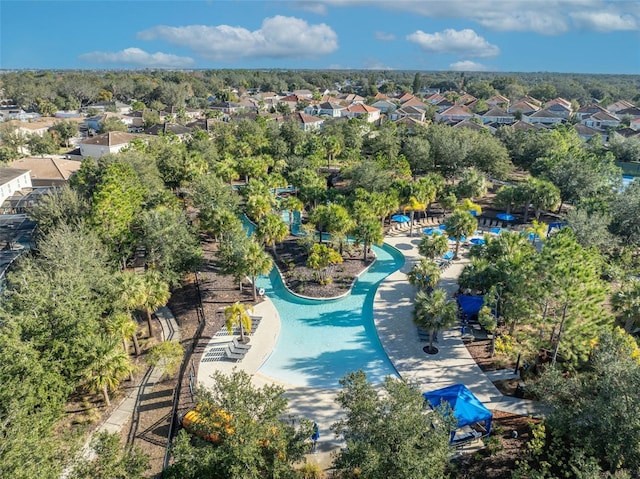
505	217
428	231
473	212
496	230
400	218
477	241
442	227
448	255
462	238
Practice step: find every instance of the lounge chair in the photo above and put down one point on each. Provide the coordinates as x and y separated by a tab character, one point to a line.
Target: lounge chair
240	347
234	355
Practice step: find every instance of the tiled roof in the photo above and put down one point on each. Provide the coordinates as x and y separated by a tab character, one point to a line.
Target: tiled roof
168	127
300	117
361	108
604	116
8	174
456	110
544	114
497	112
47	168
111	138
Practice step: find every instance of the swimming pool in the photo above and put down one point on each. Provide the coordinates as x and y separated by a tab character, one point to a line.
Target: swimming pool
321	341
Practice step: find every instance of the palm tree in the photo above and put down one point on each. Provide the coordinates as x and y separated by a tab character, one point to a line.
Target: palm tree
271	230
434	312
459	224
257	262
368	231
321	257
413	205
122	326
433	245
425	274
108	366
292	204
333	148
238	314
156	294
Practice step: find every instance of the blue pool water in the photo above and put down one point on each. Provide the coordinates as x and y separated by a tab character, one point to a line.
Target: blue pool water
321	341
626	180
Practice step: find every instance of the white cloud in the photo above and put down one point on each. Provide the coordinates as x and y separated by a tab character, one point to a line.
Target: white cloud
604	21
140	58
279	37
313	7
469	66
464	43
385	37
547	17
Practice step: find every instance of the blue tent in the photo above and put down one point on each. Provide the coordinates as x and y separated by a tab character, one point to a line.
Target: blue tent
467	409
470	305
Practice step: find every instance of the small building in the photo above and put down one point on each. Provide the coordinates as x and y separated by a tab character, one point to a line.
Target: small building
362	111
47	171
100	145
13	180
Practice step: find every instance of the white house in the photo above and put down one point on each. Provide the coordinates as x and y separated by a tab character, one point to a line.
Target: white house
100	145
360	110
13	180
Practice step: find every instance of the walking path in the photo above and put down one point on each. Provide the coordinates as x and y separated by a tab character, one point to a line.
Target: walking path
128	409
393	307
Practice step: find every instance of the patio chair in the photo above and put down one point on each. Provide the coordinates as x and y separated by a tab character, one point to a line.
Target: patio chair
240	347
234	355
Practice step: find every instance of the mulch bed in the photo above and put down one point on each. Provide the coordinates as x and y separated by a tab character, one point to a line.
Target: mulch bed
504	448
292	261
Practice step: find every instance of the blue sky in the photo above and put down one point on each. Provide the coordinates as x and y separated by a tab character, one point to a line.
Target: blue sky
580	36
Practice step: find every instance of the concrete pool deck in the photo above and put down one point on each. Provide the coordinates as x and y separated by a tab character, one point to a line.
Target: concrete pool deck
392	308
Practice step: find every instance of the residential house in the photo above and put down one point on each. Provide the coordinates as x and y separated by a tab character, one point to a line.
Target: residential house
308	94
407	112
39	127
385	106
524	107
47	171
13	112
472	125
586	132
405	97
416	103
434	98
631	113
304	121
326	108
351	99
635	124
12	180
497	101
226	107
559	106
113	106
95	122
497	115
166	128
587	110
619	105
381	96
523	126
443	105
466	100
360	110
544	117
293	101
410	123
100	145
454	113
601	120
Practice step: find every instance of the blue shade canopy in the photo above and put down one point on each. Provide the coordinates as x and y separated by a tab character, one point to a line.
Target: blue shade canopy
432	231
470	305
442	226
477	241
448	255
467	409
505	217
496	230
400	218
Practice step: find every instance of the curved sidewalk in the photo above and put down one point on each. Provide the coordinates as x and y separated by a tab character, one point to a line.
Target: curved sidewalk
392	312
